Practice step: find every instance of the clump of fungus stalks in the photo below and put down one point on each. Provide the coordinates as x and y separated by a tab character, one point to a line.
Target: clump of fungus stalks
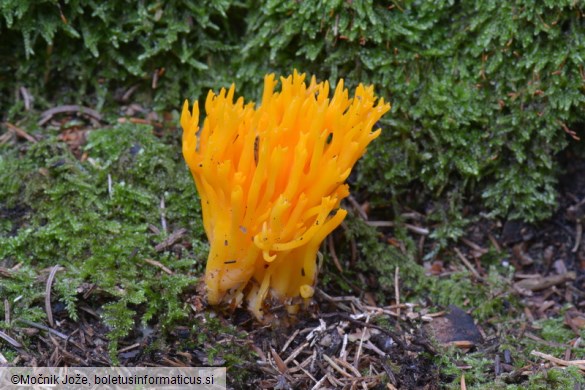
271	179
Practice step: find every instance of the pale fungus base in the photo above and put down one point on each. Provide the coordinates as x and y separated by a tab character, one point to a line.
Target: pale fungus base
271	179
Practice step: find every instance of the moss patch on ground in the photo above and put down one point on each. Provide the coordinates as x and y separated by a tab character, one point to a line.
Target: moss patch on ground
100	218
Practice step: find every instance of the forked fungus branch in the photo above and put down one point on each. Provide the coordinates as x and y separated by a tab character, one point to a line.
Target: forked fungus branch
271	178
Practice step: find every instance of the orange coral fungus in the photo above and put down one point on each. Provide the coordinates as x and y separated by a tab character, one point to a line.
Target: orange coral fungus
271	179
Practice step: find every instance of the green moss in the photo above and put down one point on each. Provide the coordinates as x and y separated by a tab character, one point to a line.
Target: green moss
556	378
379	259
24	294
487	299
478	370
479	374
556	337
478	101
93	219
91	53
481	92
554	329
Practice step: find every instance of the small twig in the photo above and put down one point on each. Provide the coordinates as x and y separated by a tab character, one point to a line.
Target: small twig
295	353
467	264
561	362
155	75
569	131
495	242
578	234
128	348
568	350
6	273
69	340
110	185
336	367
299	366
357	207
153	229
540	341
474	246
380	223
372	347
48	114
412	228
170	240
463	385
334	381
385	311
352	243
290	340
6	311
159	265
313	358
6	137
320	383
417	229
279	362
354	250
43	327
397	5
349	367
21	133
412	215
307	373
129	93
337	301
397	289
26	97
163	220
343	352
541	283
359	350
10	340
391	376
314	331
16	267
71	356
331	246
48	286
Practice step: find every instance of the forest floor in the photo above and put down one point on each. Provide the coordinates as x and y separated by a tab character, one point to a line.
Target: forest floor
530	338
